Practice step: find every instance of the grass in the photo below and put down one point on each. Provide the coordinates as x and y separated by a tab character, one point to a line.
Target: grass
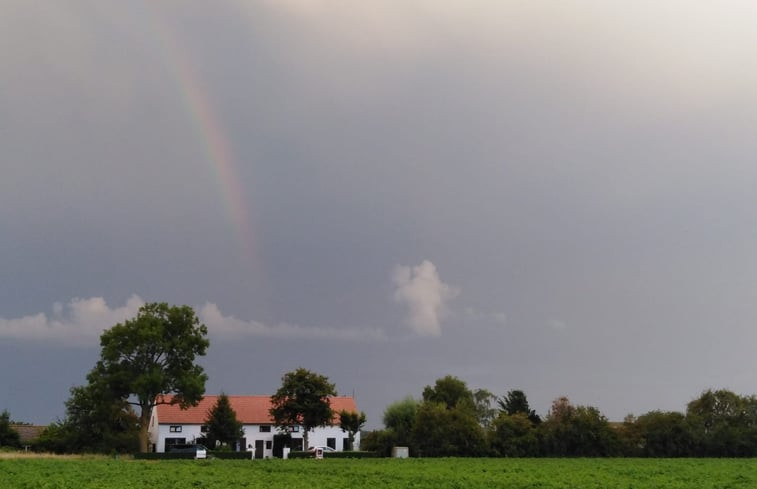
15	455
52	472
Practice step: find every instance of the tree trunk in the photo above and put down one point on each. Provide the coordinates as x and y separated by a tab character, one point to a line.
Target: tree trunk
144	424
305	439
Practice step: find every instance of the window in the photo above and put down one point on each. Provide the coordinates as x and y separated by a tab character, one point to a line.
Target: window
204	428
264	428
268	444
346	444
295	429
331	443
175	429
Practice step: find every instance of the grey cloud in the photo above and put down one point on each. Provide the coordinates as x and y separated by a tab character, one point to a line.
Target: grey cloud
229	328
79	323
584	159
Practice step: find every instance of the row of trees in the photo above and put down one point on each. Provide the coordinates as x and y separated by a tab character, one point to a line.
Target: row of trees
452	420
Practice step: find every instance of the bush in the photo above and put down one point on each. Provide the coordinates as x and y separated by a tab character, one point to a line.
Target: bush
381	441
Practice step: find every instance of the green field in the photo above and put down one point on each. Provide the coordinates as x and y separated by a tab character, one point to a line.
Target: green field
102	473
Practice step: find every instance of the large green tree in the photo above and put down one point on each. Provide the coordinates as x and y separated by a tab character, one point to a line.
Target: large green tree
447	421
440	431
399	418
723	424
222	423
152	355
577	431
303	400
450	391
513	436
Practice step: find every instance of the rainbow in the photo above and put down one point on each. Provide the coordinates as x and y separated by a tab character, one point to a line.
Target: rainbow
217	148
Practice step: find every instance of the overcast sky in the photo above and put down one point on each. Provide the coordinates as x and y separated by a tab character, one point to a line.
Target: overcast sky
555	196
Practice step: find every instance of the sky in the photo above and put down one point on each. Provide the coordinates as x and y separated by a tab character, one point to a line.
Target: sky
556	197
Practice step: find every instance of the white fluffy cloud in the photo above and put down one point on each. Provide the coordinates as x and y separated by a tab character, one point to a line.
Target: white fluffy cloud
79	322
229	327
424	294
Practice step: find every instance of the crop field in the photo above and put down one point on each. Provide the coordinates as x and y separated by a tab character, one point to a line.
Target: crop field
104	473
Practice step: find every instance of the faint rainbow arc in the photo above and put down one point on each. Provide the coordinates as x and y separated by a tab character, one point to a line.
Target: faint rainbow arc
216	146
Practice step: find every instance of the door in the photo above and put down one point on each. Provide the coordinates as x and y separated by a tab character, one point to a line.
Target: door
170	442
259	447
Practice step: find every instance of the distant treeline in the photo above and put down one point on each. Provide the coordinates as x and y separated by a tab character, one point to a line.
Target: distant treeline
452	420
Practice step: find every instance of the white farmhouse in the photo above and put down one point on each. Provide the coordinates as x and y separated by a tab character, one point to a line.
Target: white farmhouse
169	424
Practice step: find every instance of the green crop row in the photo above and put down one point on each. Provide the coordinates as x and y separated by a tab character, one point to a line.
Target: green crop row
440	473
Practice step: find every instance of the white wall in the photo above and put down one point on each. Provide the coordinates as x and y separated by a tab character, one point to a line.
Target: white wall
190	432
318	437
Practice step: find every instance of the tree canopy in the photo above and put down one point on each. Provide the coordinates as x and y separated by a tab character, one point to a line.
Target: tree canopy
577	431
514	402
351	422
8	436
222	423
448	422
441	431
449	391
151	355
303	400
400	418
513	435
95	422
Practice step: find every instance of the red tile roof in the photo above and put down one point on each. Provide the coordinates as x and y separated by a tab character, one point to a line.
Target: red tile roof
249	409
28	433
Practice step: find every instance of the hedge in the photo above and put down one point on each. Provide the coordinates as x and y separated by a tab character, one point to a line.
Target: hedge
246	455
335	455
230	455
164	456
